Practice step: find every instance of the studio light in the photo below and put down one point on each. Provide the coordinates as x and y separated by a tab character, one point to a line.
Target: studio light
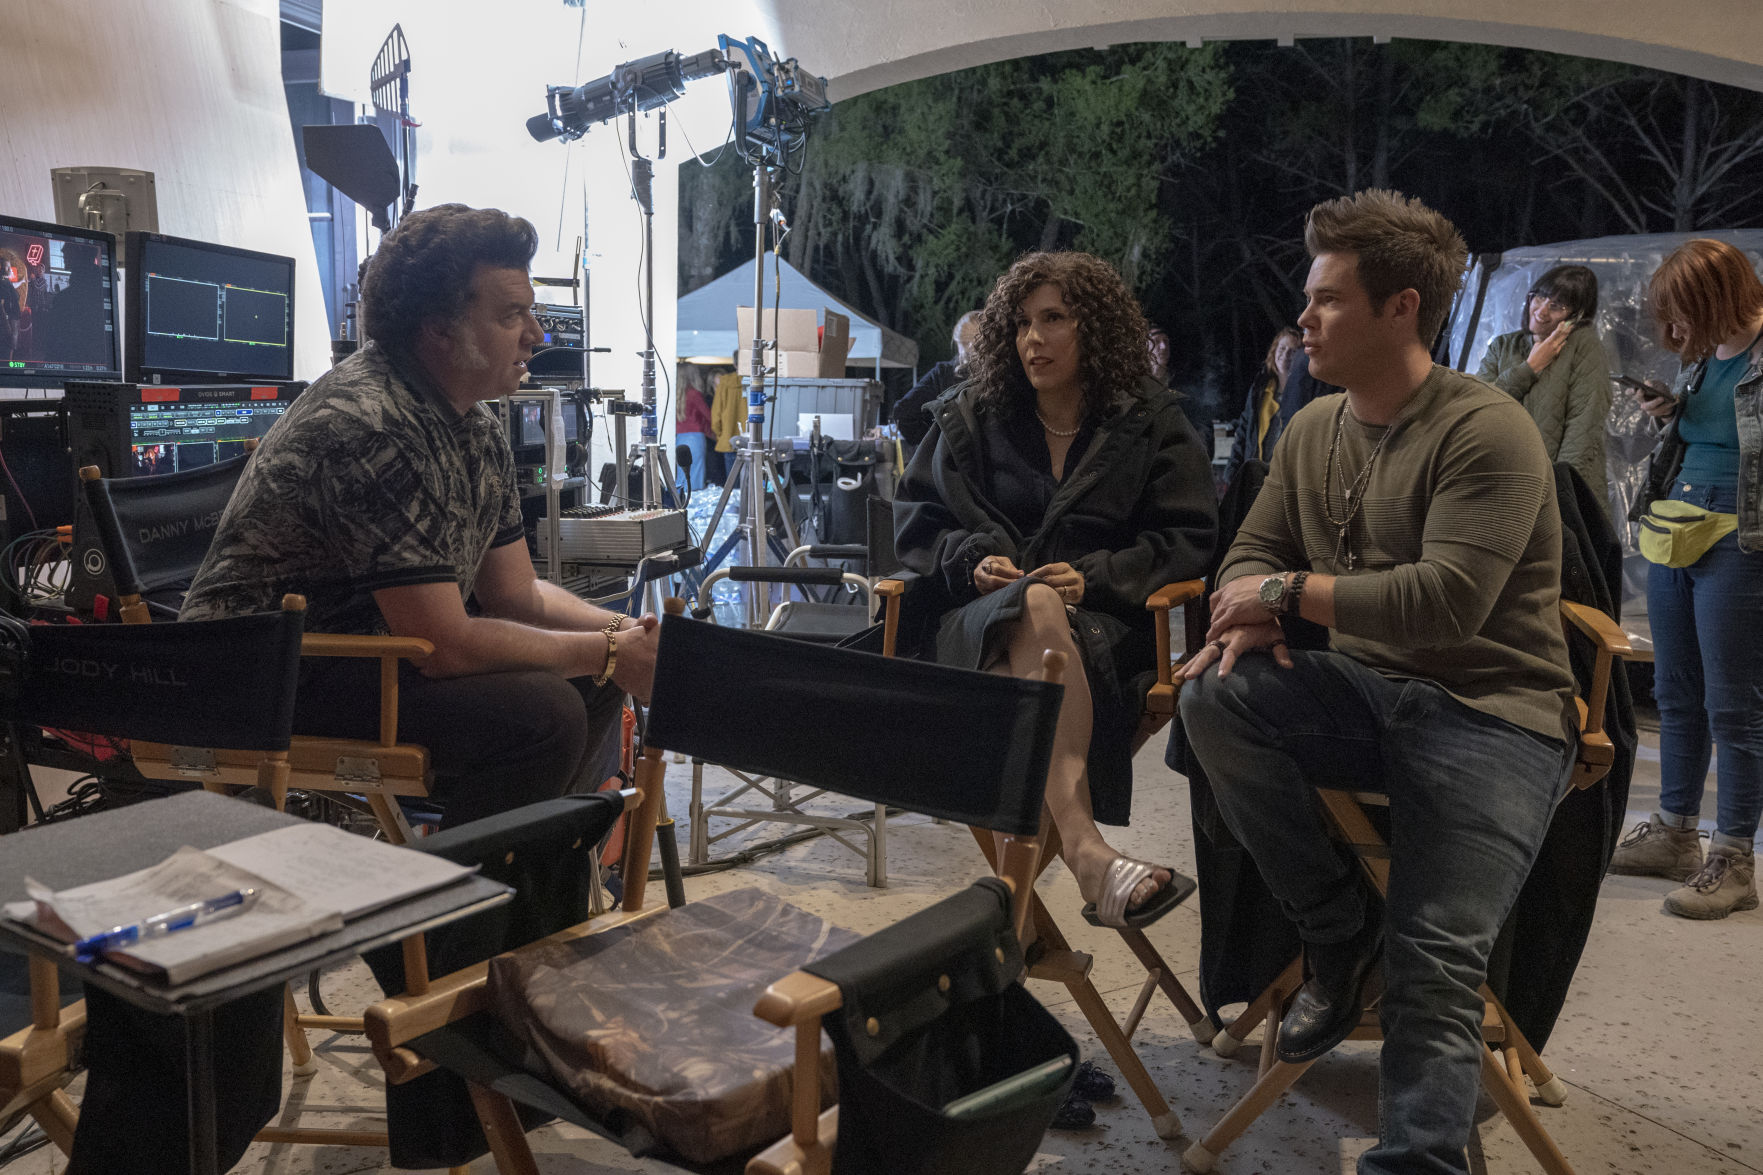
644	84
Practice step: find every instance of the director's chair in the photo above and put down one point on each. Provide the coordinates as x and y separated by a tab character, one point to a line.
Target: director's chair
154	532
817	622
162	682
1509	1058
498	1024
1053	958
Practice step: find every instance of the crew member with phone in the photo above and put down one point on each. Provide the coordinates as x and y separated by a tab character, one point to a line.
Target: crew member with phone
1705	597
1555	366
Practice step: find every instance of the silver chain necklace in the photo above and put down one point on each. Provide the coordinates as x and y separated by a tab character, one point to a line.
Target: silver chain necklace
1355	493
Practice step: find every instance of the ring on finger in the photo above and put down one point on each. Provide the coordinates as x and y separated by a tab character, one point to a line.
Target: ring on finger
1219	645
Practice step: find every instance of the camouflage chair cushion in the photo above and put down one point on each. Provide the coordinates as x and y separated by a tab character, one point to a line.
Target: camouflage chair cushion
653	1022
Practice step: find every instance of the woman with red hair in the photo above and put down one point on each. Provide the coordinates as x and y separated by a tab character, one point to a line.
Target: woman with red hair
1706	606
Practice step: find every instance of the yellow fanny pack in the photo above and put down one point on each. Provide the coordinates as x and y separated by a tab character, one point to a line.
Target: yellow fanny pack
1676	534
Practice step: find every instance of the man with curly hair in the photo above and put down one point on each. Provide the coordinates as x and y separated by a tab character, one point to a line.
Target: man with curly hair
387	497
1414	516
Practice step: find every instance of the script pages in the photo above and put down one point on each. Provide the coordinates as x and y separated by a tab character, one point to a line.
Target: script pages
310	879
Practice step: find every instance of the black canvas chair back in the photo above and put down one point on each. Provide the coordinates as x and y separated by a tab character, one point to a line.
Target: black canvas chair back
931	1009
880	533
950	743
211	683
156	530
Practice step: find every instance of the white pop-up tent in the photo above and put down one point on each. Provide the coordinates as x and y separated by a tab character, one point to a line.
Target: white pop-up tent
707	317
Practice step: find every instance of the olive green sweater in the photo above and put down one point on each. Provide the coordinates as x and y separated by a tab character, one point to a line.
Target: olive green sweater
1569	400
1457	546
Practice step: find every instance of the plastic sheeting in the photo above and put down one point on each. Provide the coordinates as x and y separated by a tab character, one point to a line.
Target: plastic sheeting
1492	303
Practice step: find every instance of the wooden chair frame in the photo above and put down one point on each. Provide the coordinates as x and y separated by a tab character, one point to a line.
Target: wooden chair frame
796	1001
35	1062
1509	1057
1054	959
381	769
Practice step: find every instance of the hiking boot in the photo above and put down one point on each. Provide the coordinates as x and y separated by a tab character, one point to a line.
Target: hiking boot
1655	849
1727	881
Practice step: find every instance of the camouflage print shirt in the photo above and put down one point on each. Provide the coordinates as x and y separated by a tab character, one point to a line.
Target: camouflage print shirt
371	480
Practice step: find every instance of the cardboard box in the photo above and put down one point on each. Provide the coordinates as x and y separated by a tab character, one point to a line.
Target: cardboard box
804	349
794	330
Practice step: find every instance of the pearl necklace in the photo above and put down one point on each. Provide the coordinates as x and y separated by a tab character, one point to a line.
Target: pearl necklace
1056	432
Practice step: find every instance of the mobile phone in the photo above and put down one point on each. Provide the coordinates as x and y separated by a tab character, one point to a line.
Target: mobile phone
1647	391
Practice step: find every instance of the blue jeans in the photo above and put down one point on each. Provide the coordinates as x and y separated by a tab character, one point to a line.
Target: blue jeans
1471	797
1707	622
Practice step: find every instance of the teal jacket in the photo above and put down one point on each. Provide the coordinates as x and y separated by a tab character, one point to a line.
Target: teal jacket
1570	400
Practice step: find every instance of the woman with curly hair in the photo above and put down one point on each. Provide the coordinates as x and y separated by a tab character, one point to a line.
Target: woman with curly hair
1060	486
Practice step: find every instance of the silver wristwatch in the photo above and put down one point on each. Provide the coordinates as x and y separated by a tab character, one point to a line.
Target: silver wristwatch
1272	593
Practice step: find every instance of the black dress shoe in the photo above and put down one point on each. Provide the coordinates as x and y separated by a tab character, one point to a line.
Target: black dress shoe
1330	1003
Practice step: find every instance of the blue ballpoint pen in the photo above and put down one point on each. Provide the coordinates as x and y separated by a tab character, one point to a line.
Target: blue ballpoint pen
87	950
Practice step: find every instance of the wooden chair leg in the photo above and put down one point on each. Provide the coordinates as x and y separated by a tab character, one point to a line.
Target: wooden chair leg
1266	1090
299	1051
390	817
1164	1120
1072	969
1232	1036
56	1114
1551	1090
1270	1038
1151	959
1517	1109
502	1128
1075	976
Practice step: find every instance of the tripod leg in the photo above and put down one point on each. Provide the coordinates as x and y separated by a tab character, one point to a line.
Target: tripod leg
728	486
780	493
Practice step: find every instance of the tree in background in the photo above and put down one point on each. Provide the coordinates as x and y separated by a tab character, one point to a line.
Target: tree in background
1192	170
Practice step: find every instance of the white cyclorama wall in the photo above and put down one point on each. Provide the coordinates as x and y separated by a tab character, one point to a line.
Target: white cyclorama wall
190	90
479	72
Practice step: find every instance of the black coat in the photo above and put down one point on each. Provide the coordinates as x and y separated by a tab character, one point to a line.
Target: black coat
1136	512
911	411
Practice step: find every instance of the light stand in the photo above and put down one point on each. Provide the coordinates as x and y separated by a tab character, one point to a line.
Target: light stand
773	101
758	470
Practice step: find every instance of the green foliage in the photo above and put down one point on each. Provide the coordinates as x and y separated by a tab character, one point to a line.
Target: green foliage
1191	170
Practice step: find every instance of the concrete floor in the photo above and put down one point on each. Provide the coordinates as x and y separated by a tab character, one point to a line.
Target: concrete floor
1661	1041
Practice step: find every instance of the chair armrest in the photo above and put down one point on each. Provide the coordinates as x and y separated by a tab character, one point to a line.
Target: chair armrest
891	592
340	644
1598	628
387	650
1160	602
1608	642
1172	594
798	998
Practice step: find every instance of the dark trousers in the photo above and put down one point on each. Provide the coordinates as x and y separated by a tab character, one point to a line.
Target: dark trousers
496	740
1471	797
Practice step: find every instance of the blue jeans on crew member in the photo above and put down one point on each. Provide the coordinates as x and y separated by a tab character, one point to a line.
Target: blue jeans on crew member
1707	625
1471	797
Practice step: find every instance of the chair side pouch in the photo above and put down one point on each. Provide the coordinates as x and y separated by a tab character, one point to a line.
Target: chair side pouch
907	1047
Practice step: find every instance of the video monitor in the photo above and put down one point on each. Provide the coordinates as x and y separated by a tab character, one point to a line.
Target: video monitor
190	430
527	424
199	311
58	316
